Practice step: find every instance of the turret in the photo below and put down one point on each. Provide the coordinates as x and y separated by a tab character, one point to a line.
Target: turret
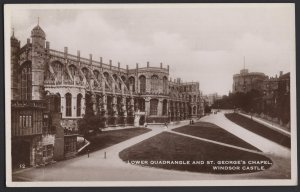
15	48
38	37
38	62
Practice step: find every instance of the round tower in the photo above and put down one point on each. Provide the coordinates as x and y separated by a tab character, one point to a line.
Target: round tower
38	62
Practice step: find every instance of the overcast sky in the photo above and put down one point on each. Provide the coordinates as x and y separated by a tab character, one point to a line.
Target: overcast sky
204	43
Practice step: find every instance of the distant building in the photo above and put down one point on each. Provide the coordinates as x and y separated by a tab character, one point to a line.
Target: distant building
246	81
212	98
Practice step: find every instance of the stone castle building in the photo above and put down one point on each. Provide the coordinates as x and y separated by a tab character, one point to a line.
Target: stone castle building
123	96
245	81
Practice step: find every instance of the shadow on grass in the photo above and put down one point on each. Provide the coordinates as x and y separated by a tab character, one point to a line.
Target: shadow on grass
108	138
213	132
260	129
158	150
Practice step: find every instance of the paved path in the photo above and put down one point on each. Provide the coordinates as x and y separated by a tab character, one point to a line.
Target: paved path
96	168
258	141
268	124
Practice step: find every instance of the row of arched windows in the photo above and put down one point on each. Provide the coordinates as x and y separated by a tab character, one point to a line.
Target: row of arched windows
68	99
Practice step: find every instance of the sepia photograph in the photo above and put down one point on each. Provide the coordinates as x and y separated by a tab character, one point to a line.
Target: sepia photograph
150	95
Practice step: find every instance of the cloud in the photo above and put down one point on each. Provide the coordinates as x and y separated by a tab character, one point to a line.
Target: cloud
205	43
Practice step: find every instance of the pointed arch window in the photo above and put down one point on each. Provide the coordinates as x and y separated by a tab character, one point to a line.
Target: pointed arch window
165	85
132	84
164	109
68	105
78	111
26	82
142	84
154	83
153	106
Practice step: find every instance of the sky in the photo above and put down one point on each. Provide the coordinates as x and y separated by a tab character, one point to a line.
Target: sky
205	43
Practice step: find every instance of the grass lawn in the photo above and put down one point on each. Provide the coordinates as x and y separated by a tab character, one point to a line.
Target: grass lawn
260	129
108	138
213	132
167	146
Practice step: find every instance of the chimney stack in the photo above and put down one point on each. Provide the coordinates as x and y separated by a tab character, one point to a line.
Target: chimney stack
161	65
148	64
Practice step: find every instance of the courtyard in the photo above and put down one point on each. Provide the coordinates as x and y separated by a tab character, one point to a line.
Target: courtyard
156	143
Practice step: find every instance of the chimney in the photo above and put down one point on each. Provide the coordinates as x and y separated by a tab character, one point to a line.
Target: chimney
148	64
161	65
101	62
110	64
168	67
127	68
280	73
137	65
119	66
78	55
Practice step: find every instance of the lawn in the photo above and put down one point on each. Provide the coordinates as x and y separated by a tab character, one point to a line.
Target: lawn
213	132
166	146
108	138
260	129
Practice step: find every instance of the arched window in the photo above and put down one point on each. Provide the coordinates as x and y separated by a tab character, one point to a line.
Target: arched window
57	103
68	105
165	85
78	111
73	70
106	75
142	84
85	71
164	109
153	106
154	83
132	84
97	75
26	82
194	110
58	70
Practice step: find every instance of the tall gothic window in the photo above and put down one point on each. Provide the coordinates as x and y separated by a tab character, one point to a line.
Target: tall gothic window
142	84
165	85
153	106
78	111
68	105
57	103
132	83
106	75
58	70
26	82
164	109
85	71
194	110
154	83
97	75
